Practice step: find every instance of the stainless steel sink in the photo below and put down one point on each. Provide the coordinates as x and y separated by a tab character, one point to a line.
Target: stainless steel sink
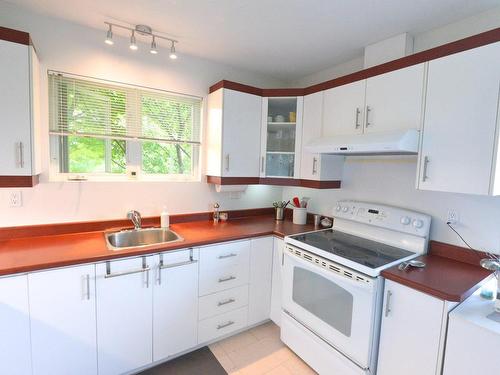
134	238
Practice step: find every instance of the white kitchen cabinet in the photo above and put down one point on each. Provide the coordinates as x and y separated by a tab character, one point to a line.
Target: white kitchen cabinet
413	332
124	315
261	265
19	105
278	247
460	129
344	108
15	346
175	303
63	321
394	100
281	137
233	134
319	167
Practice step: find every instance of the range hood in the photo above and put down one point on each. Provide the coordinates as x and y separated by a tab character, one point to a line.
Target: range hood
397	142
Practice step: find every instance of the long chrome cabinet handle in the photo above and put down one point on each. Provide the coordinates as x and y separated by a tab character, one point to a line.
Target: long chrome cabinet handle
367	116
224	279
424	172
315	163
87	285
356	123
227	162
227	256
145	268
226	302
224	325
162	266
20	155
388	303
262	164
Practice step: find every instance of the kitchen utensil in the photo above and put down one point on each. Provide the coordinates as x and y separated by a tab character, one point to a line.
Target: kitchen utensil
317	220
326	222
411	263
296	202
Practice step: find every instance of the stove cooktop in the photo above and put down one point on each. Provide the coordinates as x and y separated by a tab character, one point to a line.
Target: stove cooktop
369	253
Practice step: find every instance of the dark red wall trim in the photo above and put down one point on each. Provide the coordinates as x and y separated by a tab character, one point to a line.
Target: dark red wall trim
334	184
474	41
15	36
18	181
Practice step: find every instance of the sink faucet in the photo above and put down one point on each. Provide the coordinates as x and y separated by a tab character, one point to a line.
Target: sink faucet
136	219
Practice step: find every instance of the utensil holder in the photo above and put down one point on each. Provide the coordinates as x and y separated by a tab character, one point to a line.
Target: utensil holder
280	213
299	215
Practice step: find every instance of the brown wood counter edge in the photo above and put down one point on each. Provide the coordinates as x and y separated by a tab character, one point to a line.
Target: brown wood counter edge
474	41
92	226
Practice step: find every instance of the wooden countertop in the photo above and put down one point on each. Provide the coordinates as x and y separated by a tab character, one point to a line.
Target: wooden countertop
43	252
451	273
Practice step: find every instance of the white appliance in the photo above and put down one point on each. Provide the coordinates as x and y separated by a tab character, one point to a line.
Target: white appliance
332	288
397	142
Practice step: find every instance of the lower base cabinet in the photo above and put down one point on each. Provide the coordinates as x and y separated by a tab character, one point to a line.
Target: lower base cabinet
275	314
15	346
175	303
124	315
413	332
63	321
261	265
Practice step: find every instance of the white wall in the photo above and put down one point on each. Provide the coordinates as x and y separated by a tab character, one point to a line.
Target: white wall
72	48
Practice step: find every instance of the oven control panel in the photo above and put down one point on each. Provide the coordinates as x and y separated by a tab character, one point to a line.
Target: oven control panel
388	217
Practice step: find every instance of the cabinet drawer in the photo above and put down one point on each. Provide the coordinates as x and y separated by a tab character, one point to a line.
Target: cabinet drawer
222	302
218	279
220	325
225	255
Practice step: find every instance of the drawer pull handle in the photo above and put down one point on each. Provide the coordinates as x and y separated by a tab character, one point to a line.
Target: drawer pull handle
388	303
224	325
224	279
226	302
163	266
227	256
145	268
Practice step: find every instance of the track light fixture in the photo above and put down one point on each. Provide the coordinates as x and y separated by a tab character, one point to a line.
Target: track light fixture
141	30
173	54
154	48
133	43
109	36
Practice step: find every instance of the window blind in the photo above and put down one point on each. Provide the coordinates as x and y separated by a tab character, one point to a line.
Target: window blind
98	109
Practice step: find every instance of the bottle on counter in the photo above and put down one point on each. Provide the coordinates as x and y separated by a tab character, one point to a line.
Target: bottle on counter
164	218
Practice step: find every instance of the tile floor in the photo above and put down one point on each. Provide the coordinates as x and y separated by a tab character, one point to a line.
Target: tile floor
258	351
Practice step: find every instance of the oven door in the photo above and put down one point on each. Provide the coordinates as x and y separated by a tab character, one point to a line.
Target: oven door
339	309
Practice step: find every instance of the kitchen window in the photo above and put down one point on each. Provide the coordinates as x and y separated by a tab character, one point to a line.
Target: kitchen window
102	130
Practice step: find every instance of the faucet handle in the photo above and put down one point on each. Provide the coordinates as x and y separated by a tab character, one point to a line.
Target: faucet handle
216	205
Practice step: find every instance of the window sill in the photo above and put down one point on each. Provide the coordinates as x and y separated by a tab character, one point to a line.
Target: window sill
121	178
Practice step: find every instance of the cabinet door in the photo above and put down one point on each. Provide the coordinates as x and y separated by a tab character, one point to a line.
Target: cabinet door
175	303
15	142
278	245
124	315
343	109
460	123
311	129
63	321
241	134
15	349
410	332
394	100
261	264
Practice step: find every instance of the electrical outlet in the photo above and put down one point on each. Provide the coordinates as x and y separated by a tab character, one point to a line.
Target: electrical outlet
453	217
16	199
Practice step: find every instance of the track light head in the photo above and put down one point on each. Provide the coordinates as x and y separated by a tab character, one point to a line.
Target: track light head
133	43
173	54
109	36
154	47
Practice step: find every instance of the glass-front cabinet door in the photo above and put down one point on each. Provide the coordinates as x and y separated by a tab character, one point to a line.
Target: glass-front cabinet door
281	133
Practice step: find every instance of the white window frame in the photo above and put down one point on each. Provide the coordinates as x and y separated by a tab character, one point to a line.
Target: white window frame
133	152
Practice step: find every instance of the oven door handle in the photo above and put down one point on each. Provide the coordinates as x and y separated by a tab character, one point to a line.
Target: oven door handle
332	275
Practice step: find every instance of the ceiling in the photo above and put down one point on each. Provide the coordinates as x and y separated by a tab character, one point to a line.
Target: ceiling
286	39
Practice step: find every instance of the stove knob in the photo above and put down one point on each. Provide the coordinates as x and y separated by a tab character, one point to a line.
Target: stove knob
405	220
338	208
345	209
418	223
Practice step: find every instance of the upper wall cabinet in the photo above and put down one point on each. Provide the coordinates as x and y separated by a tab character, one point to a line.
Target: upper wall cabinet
233	134
281	137
385	102
460	136
19	104
320	167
